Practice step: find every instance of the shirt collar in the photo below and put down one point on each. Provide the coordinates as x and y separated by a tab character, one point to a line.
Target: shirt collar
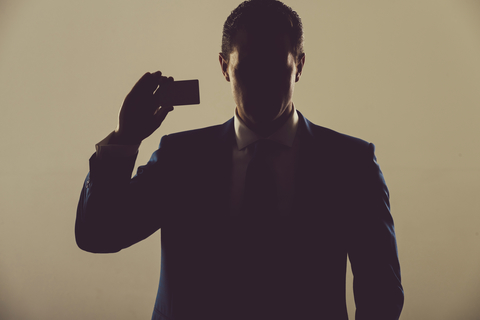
285	135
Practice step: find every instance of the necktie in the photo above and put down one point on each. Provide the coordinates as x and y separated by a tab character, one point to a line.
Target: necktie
258	238
260	194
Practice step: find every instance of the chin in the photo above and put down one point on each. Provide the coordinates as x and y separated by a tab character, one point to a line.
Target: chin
263	112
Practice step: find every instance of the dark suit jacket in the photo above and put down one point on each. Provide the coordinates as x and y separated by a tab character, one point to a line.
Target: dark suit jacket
218	266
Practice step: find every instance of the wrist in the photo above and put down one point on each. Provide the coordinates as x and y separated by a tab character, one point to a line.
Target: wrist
120	138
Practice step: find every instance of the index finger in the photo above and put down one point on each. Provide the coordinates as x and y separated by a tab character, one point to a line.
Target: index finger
148	82
160	95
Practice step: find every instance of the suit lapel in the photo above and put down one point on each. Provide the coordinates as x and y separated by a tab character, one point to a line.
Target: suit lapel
308	168
319	198
220	166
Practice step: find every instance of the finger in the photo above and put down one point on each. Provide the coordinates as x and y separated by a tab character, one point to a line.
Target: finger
161	114
165	80
161	94
148	82
162	81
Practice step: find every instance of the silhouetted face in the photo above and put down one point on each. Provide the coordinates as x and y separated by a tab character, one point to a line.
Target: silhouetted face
262	72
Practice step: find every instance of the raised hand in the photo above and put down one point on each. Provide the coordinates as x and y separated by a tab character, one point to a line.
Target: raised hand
142	111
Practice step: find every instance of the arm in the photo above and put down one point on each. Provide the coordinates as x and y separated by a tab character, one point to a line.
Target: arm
115	211
372	247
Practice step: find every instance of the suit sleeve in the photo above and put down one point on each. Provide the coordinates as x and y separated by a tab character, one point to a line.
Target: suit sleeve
372	246
115	210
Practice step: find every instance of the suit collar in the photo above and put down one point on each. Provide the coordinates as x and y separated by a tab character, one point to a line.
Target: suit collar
227	133
285	135
311	160
227	130
305	127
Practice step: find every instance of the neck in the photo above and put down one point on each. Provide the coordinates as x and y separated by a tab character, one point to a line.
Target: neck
267	129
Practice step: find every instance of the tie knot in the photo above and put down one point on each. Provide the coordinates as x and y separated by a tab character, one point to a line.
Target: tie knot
263	148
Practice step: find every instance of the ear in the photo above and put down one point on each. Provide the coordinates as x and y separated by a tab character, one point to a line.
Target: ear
224	66
300	64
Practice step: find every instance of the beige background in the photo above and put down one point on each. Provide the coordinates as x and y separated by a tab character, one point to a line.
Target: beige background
404	75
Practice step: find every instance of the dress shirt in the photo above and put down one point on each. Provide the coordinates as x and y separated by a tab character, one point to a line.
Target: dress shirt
283	162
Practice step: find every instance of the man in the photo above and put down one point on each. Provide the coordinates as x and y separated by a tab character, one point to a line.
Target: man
258	214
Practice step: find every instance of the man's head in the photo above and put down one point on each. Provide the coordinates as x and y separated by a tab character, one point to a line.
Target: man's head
262	57
263	16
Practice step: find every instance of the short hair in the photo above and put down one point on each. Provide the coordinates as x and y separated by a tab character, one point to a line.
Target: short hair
263	15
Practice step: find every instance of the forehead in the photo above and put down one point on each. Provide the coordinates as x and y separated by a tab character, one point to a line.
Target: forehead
261	43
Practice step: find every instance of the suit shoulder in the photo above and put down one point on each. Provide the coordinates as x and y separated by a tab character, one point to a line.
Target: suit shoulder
337	140
197	137
354	155
200	133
